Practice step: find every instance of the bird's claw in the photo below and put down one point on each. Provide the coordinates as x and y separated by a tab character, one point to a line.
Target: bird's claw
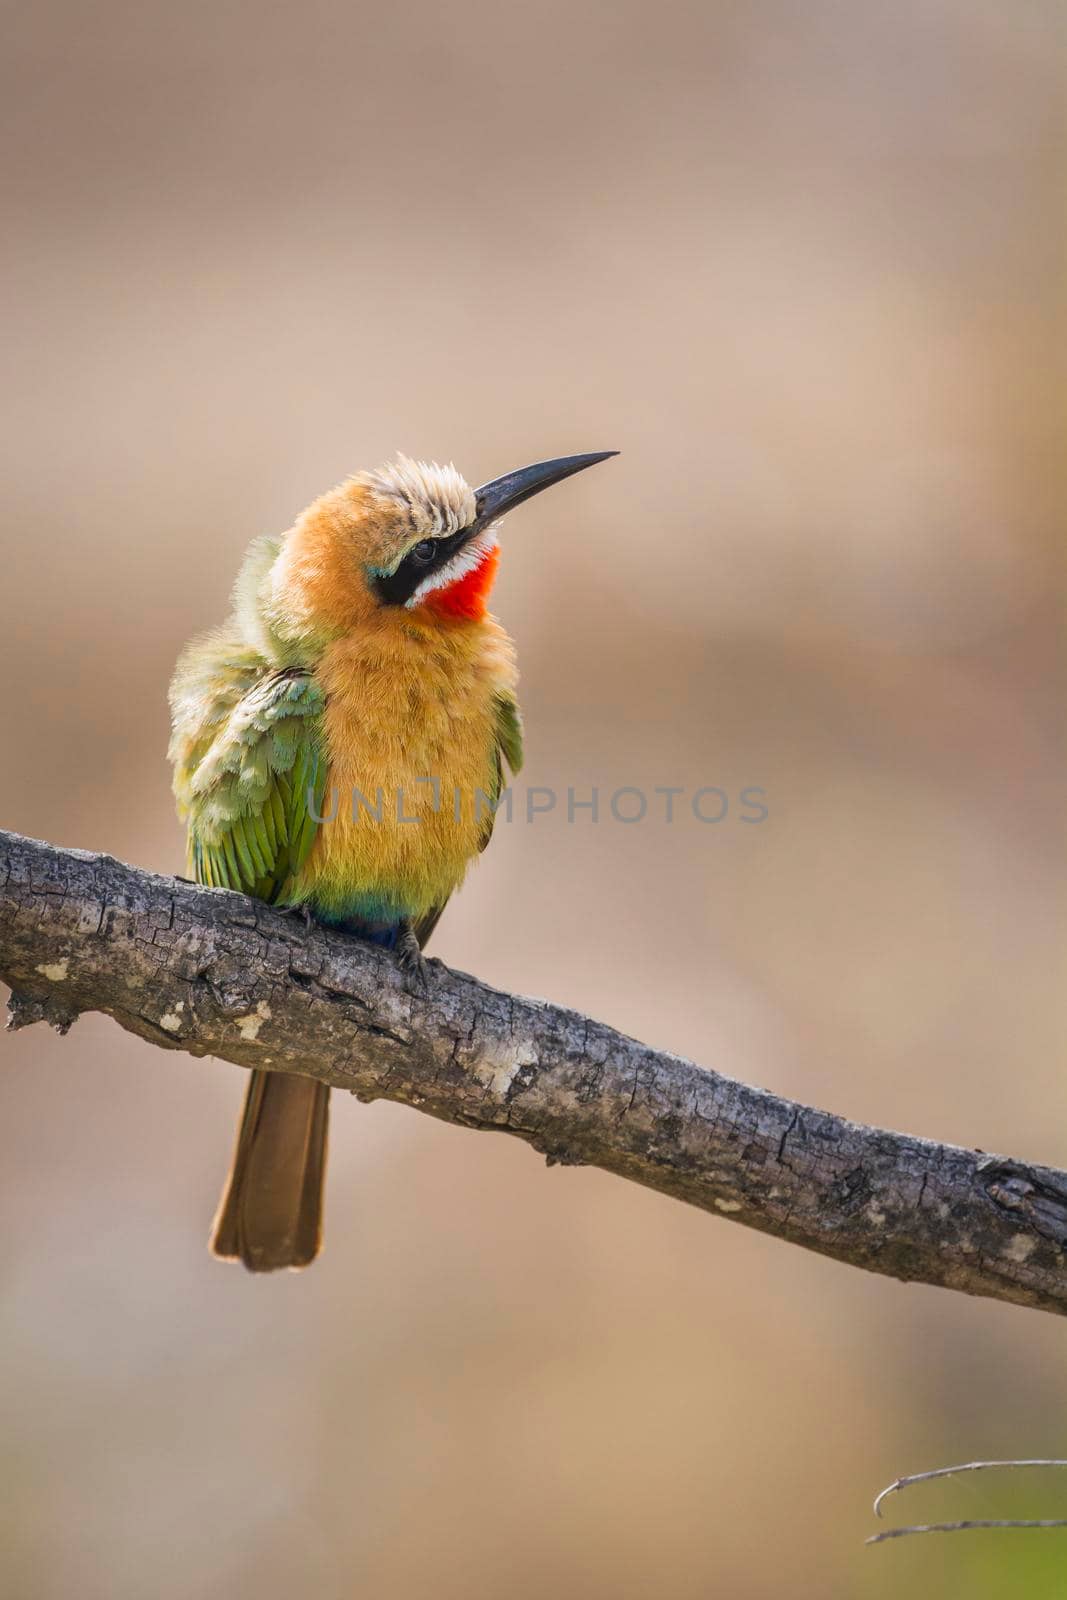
412	963
301	910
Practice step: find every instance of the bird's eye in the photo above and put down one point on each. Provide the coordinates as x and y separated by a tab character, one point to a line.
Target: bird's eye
424	551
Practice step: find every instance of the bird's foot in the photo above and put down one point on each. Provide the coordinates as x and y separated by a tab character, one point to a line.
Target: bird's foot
412	962
301	910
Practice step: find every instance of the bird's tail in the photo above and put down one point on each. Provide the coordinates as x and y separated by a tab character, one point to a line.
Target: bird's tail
270	1214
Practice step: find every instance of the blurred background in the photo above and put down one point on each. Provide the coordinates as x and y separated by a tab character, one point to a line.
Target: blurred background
803	264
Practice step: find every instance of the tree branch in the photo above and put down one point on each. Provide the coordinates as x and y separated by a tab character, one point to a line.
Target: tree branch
214	973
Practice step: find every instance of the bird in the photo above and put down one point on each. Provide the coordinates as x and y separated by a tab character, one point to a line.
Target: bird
359	663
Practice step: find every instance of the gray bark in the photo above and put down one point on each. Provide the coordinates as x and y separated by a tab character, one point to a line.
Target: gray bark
214	973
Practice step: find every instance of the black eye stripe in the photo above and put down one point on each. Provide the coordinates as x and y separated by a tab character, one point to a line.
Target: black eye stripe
399	586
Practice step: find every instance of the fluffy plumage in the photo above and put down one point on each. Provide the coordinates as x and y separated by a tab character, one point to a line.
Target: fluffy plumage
315	695
437	499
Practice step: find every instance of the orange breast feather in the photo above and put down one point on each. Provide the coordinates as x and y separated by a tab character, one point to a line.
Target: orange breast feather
410	735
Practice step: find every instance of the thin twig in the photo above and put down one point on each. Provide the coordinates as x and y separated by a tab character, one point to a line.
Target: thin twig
951	1472
963	1527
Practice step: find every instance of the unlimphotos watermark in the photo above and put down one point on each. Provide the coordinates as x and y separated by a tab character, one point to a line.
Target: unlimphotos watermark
627	804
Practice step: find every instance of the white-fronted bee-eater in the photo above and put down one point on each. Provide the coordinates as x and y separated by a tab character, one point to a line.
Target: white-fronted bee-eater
358	684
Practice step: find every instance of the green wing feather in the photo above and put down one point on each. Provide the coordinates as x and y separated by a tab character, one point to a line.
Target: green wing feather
509	731
248	757
507	747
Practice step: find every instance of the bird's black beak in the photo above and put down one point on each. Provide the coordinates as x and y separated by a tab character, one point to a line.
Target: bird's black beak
504	494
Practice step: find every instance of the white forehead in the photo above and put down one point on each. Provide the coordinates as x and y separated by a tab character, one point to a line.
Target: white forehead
439	500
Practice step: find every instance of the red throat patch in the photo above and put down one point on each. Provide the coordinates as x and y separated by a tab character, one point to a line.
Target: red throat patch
467	597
